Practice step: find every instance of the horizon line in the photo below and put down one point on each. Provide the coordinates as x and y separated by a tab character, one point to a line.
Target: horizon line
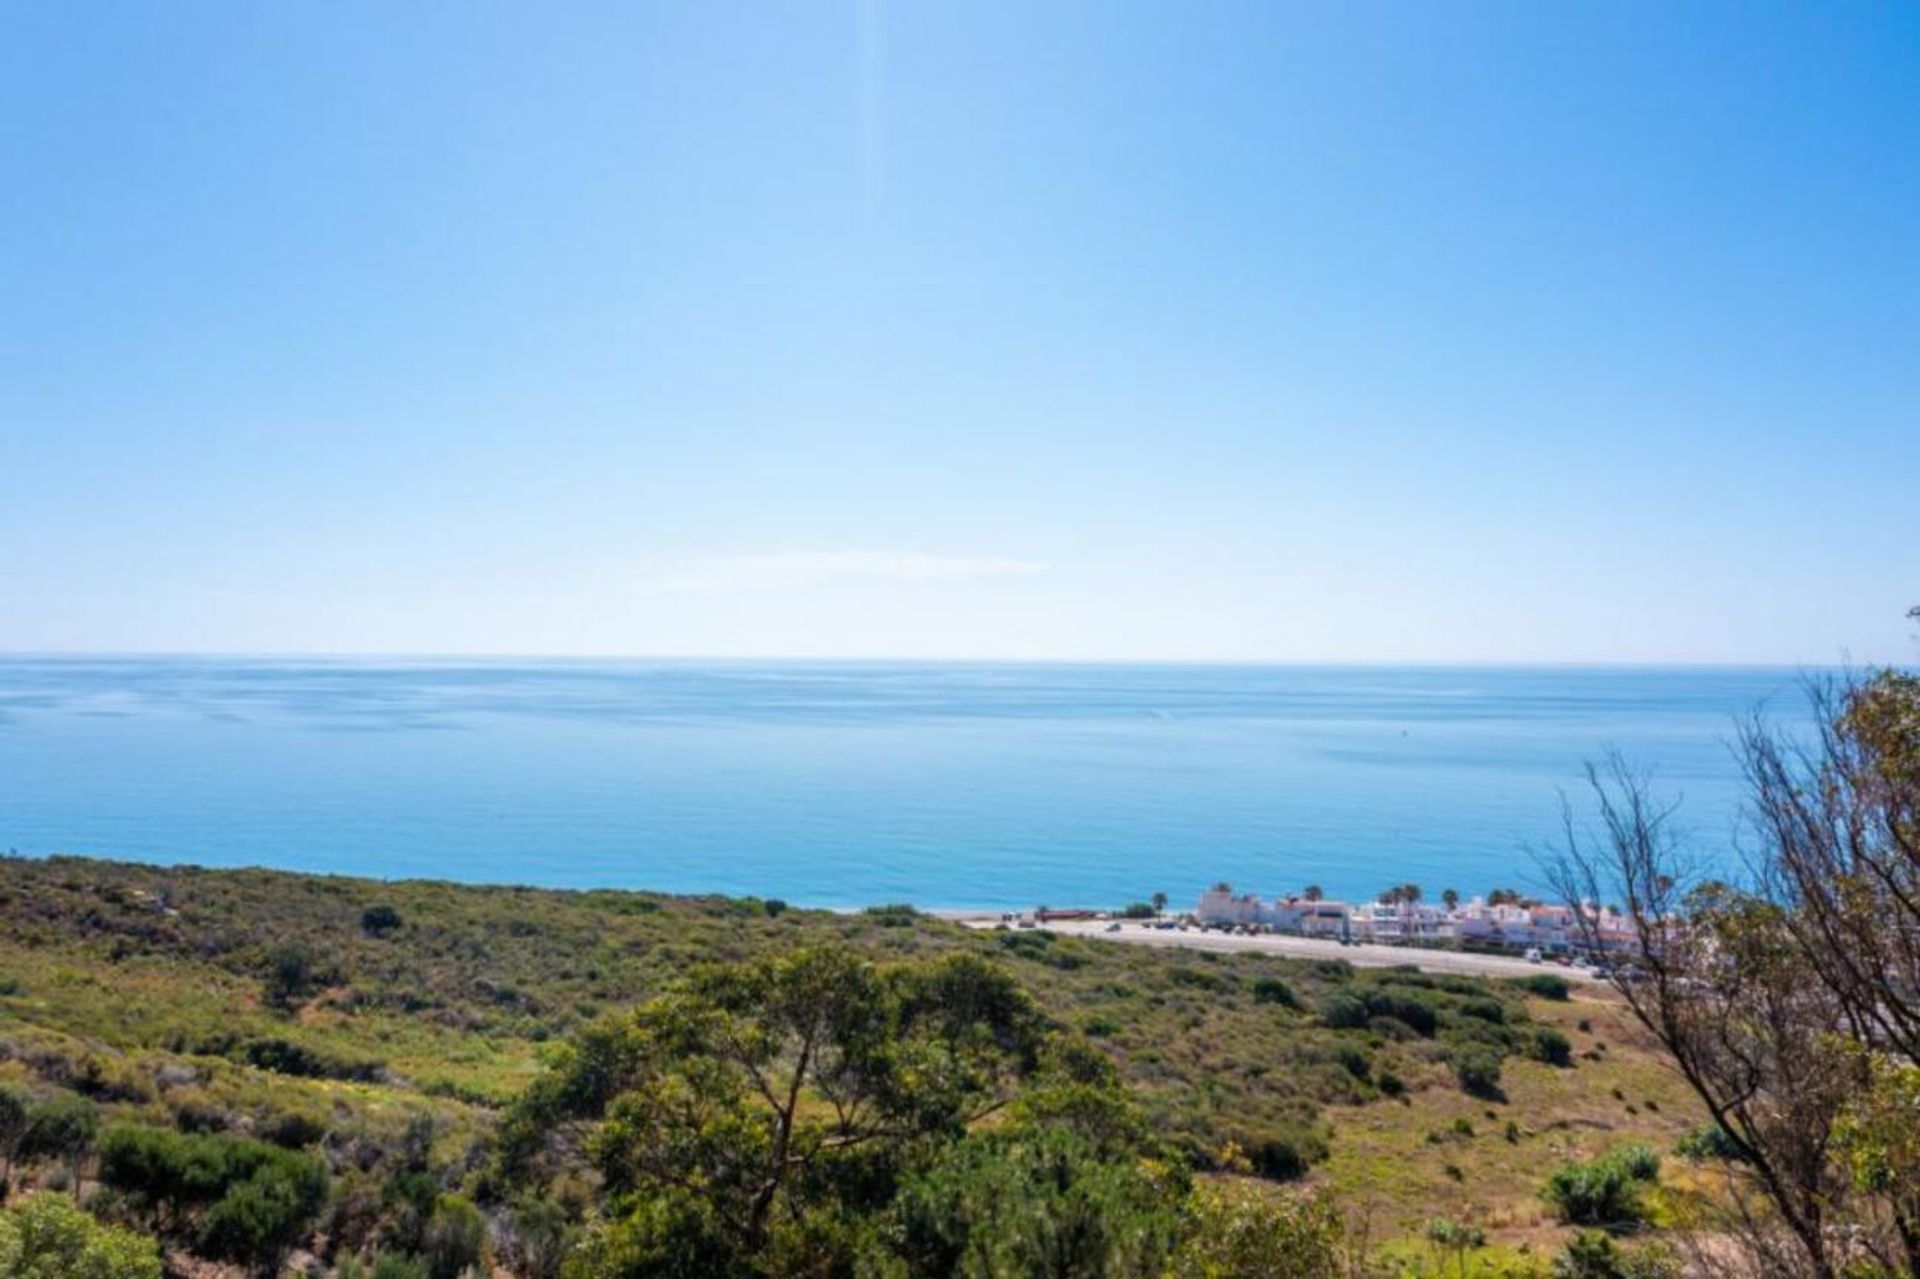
494	657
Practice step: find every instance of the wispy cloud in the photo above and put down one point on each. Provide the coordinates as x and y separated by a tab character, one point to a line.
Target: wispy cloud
804	570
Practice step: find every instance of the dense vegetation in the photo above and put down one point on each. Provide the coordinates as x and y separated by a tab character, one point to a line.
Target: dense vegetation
264	1070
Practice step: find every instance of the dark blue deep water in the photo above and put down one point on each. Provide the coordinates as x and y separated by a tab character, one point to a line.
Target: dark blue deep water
850	783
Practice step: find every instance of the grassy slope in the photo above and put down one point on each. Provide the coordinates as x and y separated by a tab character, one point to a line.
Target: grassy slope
142	987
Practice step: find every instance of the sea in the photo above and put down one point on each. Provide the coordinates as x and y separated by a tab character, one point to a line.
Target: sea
842	784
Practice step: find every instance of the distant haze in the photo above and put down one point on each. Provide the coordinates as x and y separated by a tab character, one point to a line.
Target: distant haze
1467	333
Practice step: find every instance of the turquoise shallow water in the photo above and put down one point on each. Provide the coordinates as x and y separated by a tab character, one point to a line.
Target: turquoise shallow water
850	783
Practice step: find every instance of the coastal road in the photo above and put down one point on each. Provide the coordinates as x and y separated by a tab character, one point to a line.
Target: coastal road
1363	955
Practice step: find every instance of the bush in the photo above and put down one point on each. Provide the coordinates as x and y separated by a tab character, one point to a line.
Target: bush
1477	1068
454	1238
1605	1191
1138	910
1639	1162
1281	1156
380	921
1343	1011
1235	1235
1546	986
291	974
1591	1255
285	1057
47	1237
1414	1010
1271	990
1709	1141
263	1199
1552	1047
1484	1009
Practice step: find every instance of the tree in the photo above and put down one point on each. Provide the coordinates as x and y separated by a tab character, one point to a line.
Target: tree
1313	893
16	1112
62	1127
1450	898
718	1115
48	1237
1159	903
292	974
1788	1002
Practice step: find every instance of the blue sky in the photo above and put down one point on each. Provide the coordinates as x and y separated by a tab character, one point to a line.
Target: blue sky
1464	332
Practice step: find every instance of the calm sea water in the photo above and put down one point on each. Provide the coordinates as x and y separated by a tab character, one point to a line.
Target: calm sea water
849	783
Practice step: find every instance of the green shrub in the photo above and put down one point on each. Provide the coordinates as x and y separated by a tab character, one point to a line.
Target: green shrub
1281	1156
1236	1235
1604	1191
1477	1068
1271	990
1484	1009
1591	1255
47	1237
1709	1141
1545	985
380	921
455	1237
1552	1047
1414	1010
1343	1011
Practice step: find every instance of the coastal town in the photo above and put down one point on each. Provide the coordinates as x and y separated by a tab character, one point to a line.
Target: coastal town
1501	923
1501	920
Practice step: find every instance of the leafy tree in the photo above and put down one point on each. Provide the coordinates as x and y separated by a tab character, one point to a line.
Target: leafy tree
292	974
719	1115
1313	893
62	1127
1450	898
1159	903
48	1237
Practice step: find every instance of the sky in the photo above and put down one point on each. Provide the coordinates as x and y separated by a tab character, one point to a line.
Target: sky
1464	332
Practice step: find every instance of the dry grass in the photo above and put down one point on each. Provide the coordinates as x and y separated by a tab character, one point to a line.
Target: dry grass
1403	1165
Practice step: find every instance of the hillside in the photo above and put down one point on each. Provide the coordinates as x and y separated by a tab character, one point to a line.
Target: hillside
382	1025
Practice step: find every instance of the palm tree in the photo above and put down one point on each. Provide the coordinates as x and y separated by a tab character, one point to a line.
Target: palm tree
1159	903
1313	893
1450	898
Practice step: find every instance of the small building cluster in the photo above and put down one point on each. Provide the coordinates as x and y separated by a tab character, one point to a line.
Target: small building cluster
1505	925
